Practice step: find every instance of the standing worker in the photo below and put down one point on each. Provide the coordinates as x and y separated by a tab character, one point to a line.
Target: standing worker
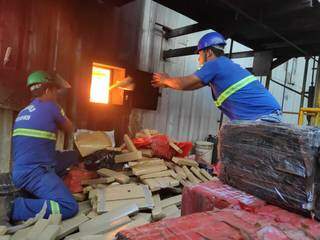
236	92
36	164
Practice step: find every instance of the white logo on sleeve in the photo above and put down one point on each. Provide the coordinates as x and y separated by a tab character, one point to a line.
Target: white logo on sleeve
23	118
30	108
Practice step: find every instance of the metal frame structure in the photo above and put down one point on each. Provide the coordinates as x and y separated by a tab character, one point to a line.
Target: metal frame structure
290	28
287	28
171	33
260	25
314	112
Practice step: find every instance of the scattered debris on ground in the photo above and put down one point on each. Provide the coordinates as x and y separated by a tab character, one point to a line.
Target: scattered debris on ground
126	187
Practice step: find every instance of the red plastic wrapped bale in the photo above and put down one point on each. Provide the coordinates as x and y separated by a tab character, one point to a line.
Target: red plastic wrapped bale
275	162
221	225
312	227
161	148
196	227
214	194
75	176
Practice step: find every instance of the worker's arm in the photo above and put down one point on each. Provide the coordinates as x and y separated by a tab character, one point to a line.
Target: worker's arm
66	126
62	121
190	82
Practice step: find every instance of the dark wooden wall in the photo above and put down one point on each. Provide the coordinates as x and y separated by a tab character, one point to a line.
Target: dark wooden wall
66	36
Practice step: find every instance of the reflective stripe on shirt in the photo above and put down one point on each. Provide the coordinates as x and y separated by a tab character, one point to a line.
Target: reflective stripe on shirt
34	133
234	88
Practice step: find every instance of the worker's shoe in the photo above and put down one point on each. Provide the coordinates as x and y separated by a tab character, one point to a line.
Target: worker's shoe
6	203
7	194
6	184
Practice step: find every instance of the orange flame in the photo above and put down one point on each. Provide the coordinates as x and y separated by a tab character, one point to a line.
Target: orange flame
100	82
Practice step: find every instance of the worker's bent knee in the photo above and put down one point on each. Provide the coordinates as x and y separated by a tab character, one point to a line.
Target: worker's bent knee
75	208
69	209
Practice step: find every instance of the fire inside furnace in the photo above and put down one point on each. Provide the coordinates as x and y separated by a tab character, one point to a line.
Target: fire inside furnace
100	83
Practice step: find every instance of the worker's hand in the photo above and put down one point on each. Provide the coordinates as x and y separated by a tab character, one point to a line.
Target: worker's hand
158	79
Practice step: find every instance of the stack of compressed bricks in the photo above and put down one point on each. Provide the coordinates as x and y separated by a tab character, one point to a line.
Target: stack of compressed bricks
82	226
275	162
257	221
109	209
269	222
122	200
141	182
230	214
216	195
158	173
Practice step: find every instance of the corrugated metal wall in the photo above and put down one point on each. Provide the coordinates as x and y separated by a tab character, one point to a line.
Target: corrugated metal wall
192	115
182	115
291	73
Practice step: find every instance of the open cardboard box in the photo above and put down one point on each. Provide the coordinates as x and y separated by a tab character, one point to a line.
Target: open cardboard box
89	142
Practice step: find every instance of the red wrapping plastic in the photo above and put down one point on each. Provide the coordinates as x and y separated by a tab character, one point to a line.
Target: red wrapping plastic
161	148
214	194
195	226
284	216
185	147
226	224
142	142
217	168
75	176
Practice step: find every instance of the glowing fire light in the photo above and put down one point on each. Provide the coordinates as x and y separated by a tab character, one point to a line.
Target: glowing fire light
100	82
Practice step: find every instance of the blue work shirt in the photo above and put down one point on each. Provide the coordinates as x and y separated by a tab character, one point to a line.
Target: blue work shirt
249	103
31	152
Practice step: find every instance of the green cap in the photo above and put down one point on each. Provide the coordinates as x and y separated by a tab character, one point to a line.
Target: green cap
39	77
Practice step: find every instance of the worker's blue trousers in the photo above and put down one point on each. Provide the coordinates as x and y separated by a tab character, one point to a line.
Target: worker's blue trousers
44	185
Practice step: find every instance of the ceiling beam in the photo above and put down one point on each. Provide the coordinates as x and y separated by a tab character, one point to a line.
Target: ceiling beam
282	8
246	22
180	52
313	49
171	33
279	61
300	42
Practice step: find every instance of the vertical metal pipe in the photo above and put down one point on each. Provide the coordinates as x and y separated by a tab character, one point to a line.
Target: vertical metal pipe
269	76
304	83
75	84
313	70
284	88
74	91
317	87
230	53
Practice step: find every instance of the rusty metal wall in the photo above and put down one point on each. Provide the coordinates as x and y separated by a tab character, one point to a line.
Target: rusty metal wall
65	37
51	33
6	120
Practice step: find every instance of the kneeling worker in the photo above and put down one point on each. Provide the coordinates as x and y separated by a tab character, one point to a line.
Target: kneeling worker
236	92
36	164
